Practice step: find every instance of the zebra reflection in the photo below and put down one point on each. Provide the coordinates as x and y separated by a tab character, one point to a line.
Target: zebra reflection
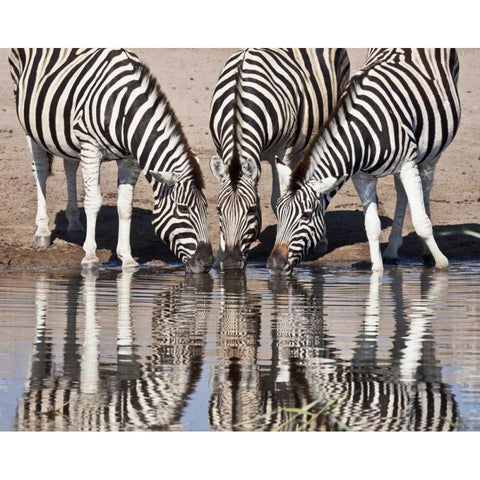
400	392
141	394
237	393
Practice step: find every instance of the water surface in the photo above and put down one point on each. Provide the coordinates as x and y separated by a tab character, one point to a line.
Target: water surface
328	349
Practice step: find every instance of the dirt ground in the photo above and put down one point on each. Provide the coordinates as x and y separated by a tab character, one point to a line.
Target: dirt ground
188	77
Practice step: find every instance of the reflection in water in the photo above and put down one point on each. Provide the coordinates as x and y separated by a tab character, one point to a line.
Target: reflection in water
235	382
142	395
135	351
368	395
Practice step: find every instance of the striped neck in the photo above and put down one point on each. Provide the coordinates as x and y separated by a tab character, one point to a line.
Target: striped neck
154	136
342	146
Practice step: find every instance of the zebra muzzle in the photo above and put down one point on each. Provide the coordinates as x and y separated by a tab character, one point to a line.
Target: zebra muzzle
232	259
278	259
202	259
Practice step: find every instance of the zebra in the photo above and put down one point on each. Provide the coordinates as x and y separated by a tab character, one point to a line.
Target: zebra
267	104
89	105
235	384
363	387
79	392
396	116
367	391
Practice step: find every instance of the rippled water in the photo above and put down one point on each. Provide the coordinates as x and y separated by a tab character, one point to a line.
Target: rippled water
327	349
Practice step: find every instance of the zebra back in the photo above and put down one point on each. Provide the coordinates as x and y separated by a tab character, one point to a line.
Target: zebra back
270	100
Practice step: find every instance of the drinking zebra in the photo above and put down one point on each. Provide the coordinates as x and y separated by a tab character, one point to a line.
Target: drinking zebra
268	104
396	116
89	105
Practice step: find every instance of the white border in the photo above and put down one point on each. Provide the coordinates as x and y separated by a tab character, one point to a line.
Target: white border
215	23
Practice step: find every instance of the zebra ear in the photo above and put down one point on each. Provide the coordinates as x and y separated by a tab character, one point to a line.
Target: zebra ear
326	185
168	178
218	168
284	173
250	169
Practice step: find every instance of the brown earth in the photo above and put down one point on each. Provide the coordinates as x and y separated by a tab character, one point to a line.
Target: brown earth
188	77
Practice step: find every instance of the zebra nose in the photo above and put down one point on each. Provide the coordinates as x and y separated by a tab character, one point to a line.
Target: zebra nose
232	259
277	261
202	259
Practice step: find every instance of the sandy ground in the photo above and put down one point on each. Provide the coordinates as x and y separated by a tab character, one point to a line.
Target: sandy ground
188	77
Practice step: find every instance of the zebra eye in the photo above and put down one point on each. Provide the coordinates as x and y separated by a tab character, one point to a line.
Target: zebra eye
183	209
253	209
306	215
219	211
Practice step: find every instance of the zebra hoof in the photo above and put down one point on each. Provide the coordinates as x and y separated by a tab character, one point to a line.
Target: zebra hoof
390	261
442	263
42	241
76	236
130	264
90	264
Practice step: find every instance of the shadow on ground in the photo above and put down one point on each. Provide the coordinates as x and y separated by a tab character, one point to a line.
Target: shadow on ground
145	244
343	228
346	228
457	242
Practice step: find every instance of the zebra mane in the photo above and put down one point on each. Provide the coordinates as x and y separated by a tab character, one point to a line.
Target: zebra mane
153	86
299	173
235	166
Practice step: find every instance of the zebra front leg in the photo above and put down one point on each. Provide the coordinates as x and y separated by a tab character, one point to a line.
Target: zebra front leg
75	230
427	172
221	251
90	162
127	178
390	254
366	187
41	169
412	183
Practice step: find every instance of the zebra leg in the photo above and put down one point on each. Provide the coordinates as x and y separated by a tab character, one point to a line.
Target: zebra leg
366	187
41	167
127	178
90	162
427	172
276	165
410	176
221	251
390	254
89	366
75	231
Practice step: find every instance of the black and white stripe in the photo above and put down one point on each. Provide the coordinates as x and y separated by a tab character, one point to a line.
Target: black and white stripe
363	387
82	391
267	105
89	105
396	116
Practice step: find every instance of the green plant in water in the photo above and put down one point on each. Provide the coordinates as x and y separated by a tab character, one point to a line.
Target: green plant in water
308	412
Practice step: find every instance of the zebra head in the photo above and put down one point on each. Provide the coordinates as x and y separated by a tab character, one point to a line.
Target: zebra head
301	222
180	219
238	209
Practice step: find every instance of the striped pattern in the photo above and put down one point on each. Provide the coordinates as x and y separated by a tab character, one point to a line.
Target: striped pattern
367	386
396	116
80	392
103	104
267	105
367	392
284	96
